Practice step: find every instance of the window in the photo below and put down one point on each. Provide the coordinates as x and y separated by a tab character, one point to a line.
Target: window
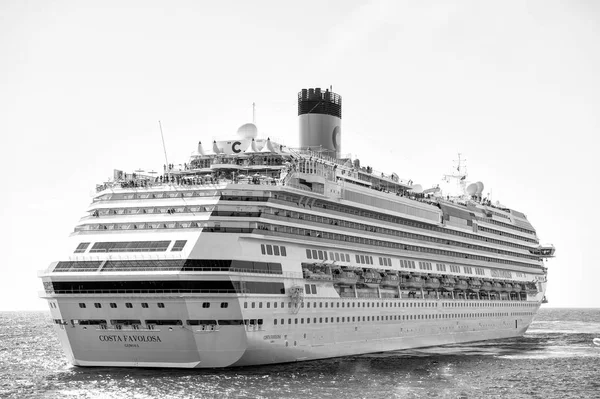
113	305
269	250
275	322
81	247
314	254
128	305
276	250
283	251
97	305
313	288
144	305
161	305
82	305
308	254
262	249
206	305
307	288
224	305
178	246
321	255
130	246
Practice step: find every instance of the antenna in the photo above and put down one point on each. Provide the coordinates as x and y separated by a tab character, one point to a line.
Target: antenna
254	113
165	150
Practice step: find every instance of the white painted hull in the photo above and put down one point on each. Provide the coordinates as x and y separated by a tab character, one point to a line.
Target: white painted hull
190	347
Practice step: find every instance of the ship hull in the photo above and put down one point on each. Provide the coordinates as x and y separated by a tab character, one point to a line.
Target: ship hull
246	345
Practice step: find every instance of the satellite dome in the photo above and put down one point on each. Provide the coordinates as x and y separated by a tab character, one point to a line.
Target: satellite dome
479	188
417	188
472	189
248	131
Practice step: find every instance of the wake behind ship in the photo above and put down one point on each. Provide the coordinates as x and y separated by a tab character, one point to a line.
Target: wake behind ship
255	253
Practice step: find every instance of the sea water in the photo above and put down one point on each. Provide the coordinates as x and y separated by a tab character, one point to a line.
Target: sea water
556	358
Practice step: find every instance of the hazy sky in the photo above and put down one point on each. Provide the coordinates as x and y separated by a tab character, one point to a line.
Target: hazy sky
512	85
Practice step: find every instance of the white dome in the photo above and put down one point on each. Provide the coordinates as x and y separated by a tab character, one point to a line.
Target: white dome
248	131
479	188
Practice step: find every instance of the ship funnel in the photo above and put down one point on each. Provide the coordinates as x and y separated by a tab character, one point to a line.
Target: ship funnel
320	117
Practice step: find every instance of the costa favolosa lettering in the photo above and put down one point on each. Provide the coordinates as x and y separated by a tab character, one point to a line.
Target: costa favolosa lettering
129	338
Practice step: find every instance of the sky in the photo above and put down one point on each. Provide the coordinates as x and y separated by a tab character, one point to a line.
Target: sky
511	85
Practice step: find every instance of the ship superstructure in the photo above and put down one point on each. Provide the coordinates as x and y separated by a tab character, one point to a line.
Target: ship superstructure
255	253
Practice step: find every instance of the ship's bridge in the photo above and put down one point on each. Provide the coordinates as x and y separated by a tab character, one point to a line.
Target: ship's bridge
544	251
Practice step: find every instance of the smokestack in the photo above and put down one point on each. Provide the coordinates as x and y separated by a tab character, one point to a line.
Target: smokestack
320	117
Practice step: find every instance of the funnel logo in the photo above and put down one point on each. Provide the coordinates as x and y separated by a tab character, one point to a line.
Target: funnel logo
335	137
234	147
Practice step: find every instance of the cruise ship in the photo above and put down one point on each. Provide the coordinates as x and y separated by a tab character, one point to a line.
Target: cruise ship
252	252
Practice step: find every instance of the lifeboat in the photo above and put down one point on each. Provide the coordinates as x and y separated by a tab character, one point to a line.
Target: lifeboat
432	283
306	273
344	277
412	282
508	287
448	283
486	286
317	273
461	285
474	285
532	288
390	280
516	287
370	279
497	286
